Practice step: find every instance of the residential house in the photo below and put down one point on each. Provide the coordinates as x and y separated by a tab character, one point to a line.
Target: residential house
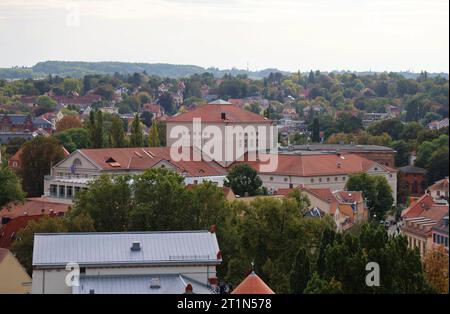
23	123
437	125
155	109
439	233
418	222
346	207
14	278
126	262
439	191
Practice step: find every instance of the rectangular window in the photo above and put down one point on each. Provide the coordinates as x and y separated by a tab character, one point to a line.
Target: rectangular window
53	190
69	192
62	191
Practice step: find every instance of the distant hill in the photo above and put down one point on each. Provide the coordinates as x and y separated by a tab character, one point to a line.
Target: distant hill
79	69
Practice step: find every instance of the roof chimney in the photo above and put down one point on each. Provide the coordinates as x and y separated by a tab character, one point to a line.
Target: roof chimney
188	289
136	246
212	229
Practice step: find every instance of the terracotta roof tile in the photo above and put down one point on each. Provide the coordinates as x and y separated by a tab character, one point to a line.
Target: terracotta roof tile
252	285
315	164
213	113
142	158
32	206
9	231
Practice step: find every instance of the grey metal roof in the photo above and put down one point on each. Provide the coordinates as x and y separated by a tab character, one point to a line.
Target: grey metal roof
138	284
412	169
102	249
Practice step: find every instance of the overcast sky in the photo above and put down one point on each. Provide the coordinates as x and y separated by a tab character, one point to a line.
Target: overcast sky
358	35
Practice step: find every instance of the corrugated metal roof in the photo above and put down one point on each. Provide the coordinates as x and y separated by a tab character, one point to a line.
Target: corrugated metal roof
138	284
58	249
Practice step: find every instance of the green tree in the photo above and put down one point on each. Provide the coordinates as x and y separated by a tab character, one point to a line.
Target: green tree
95	127
437	166
38	156
318	285
301	272
161	201
22	247
209	205
73	139
376	190
108	201
243	180
402	156
117	132
153	137
10	187
71	85
136	138
316	131
147	118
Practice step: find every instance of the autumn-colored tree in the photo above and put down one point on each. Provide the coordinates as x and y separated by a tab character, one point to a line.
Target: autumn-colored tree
436	269
68	122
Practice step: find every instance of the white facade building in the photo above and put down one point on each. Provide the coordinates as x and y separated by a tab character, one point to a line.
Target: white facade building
125	262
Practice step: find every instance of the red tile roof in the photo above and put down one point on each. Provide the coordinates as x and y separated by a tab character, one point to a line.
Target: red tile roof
153	108
9	231
142	158
212	113
425	207
252	285
32	206
315	164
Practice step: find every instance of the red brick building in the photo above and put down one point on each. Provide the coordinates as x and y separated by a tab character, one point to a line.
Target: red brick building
413	180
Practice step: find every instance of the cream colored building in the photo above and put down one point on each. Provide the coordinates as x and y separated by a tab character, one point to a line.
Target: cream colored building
221	131
318	170
13	277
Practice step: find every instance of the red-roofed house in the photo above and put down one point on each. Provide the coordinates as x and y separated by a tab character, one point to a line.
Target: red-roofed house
346	207
419	219
155	109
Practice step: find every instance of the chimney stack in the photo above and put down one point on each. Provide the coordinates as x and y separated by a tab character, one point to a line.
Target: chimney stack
189	289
